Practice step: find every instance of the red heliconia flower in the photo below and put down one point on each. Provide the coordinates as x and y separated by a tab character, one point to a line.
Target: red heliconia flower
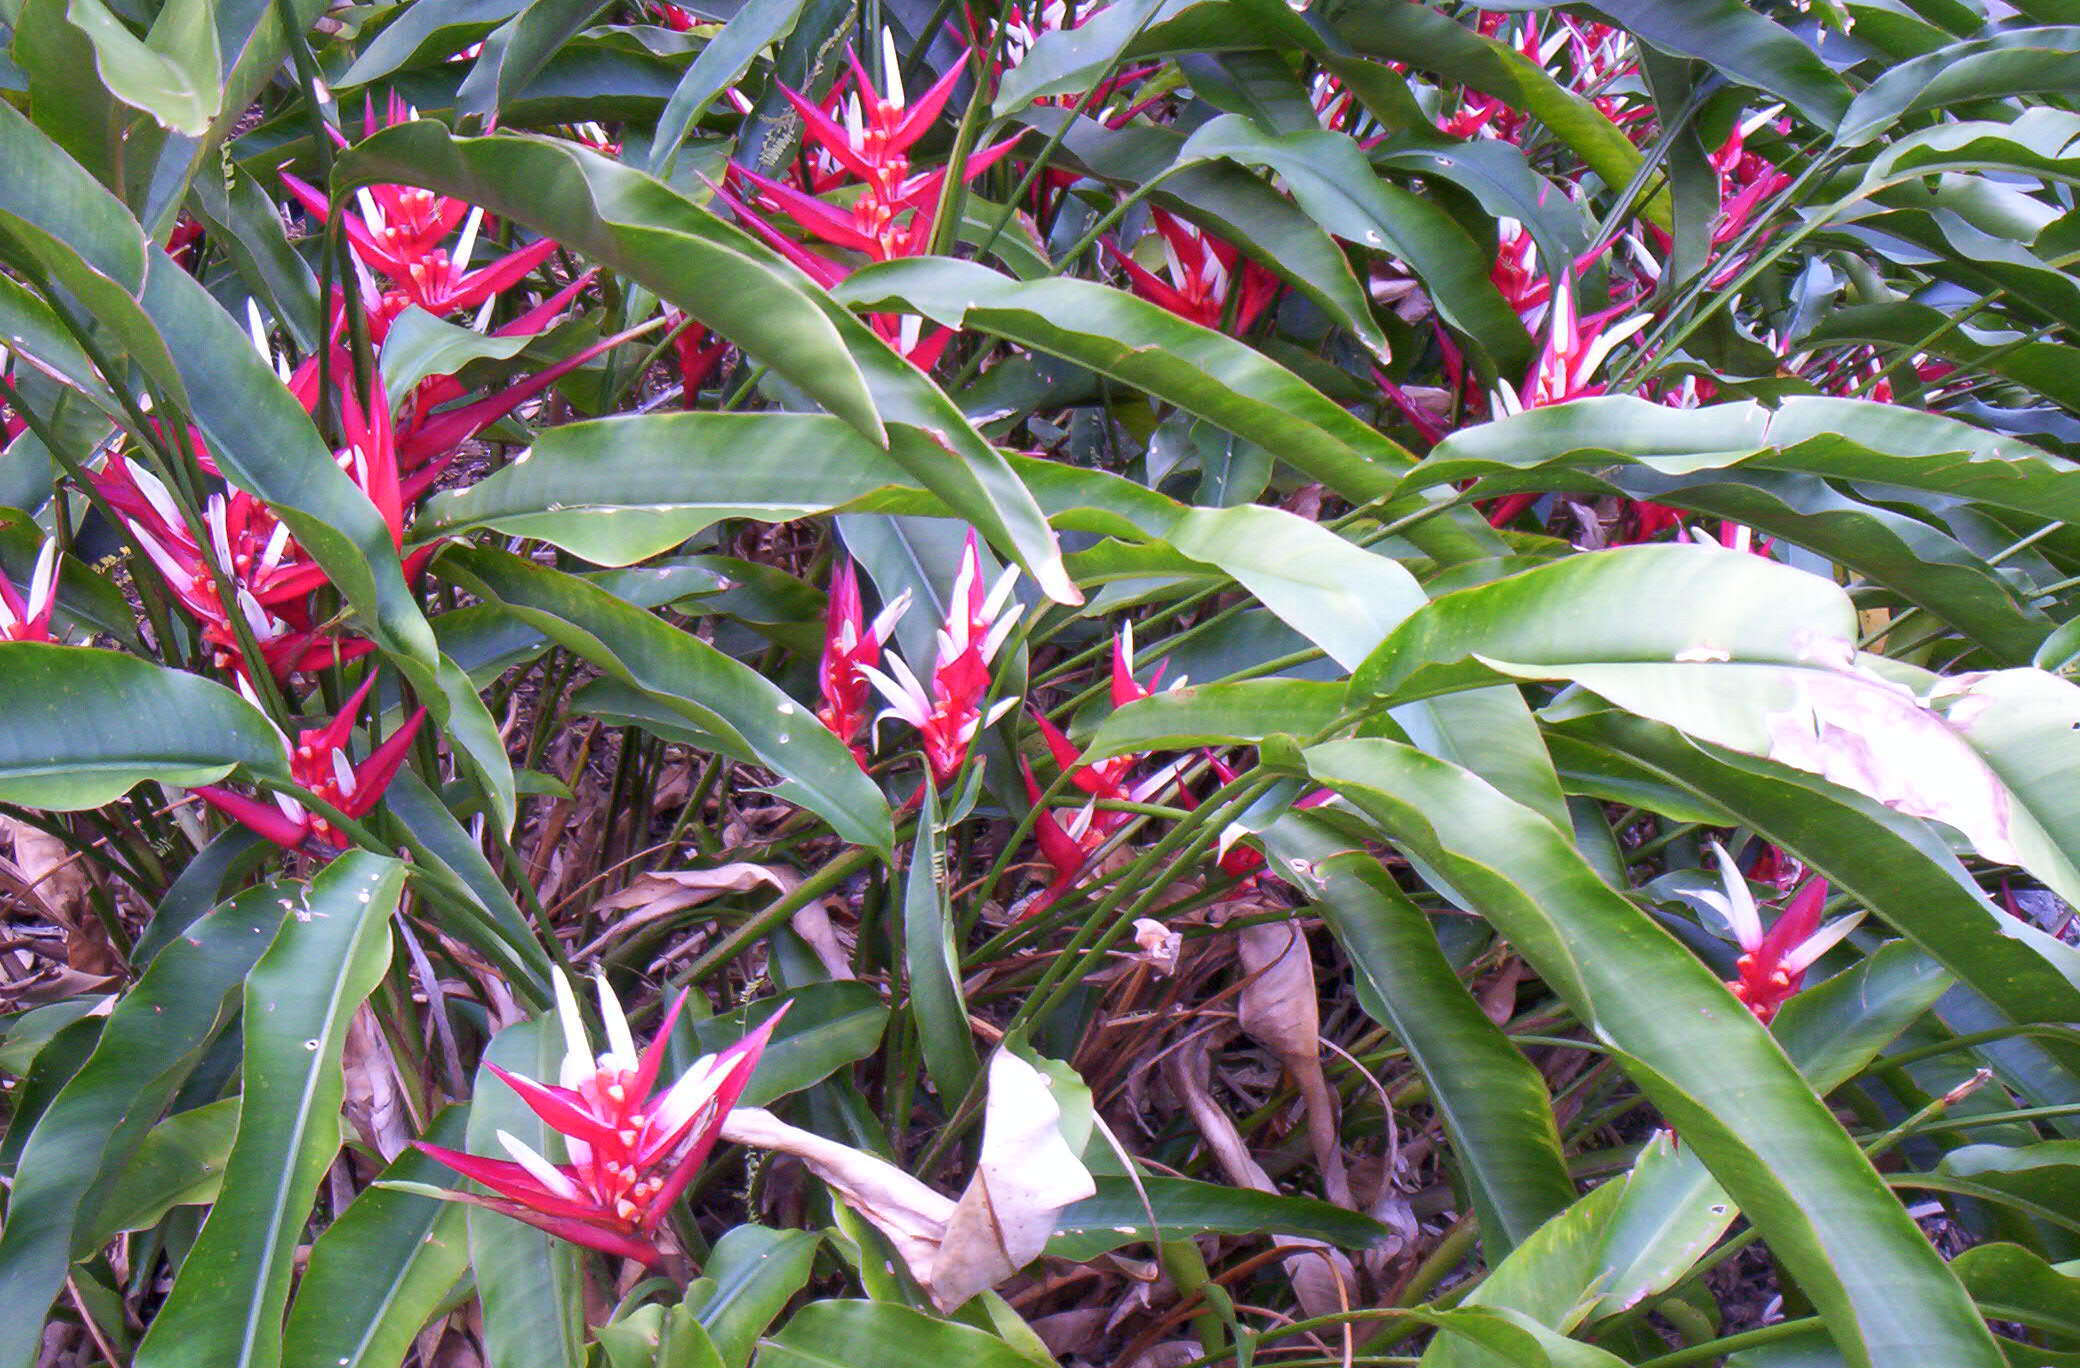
850	645
673	17
949	713
1773	963
1205	275
1061	847
1575	348
859	134
398	234
631	1153
699	352
319	763
28	617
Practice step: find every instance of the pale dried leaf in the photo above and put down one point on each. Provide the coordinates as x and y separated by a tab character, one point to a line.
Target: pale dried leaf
1280	1010
813	924
1159	945
1025	1176
373	1103
912	1215
658	893
1322	1277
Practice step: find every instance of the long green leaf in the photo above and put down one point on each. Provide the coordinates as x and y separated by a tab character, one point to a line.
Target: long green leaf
1712	1070
751	716
380	1271
83	727
720	275
226	1307
95	1123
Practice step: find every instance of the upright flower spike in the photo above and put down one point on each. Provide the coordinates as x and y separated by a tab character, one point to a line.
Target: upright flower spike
28	617
318	761
949	713
1773	963
851	643
1205	275
631	1153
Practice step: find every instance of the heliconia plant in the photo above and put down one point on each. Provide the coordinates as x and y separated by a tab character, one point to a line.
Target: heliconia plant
1124	637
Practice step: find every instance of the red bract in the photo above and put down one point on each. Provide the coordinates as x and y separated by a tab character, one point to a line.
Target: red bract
28	617
850	644
949	713
673	17
631	1155
398	234
893	214
318	762
1773	963
1206	276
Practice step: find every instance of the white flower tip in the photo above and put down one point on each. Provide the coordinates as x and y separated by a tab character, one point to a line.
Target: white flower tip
544	1172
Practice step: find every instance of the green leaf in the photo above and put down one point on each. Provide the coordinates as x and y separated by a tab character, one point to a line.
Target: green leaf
84	727
1492	1100
174	74
515	53
95	1123
2023	61
1839	439
429	29
1893	864
179	1163
380	1272
932	964
531	1284
1738	42
720	275
858	1334
1146	346
753	28
755	1272
1242	711
226	1307
1711	1069
1221	197
1183	1208
827	1027
1660	603
1332	180
754	719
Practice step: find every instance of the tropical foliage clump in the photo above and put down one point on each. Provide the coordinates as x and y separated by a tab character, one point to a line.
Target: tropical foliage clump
1180	682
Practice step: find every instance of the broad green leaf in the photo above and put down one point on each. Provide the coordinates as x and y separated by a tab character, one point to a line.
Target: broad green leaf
657	1336
226	1307
1661	603
379	1272
173	74
180	1162
1893	864
1492	1100
419	345
757	25
755	719
2015	62
85	726
2014	1285
1220	196
515	53
95	1123
1184	1207
1331	179
1218	714
931	963
1150	348
1711	1069
755	1271
859	1334
1738	42
431	28
531	1284
626	221
1838	439
827	1027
